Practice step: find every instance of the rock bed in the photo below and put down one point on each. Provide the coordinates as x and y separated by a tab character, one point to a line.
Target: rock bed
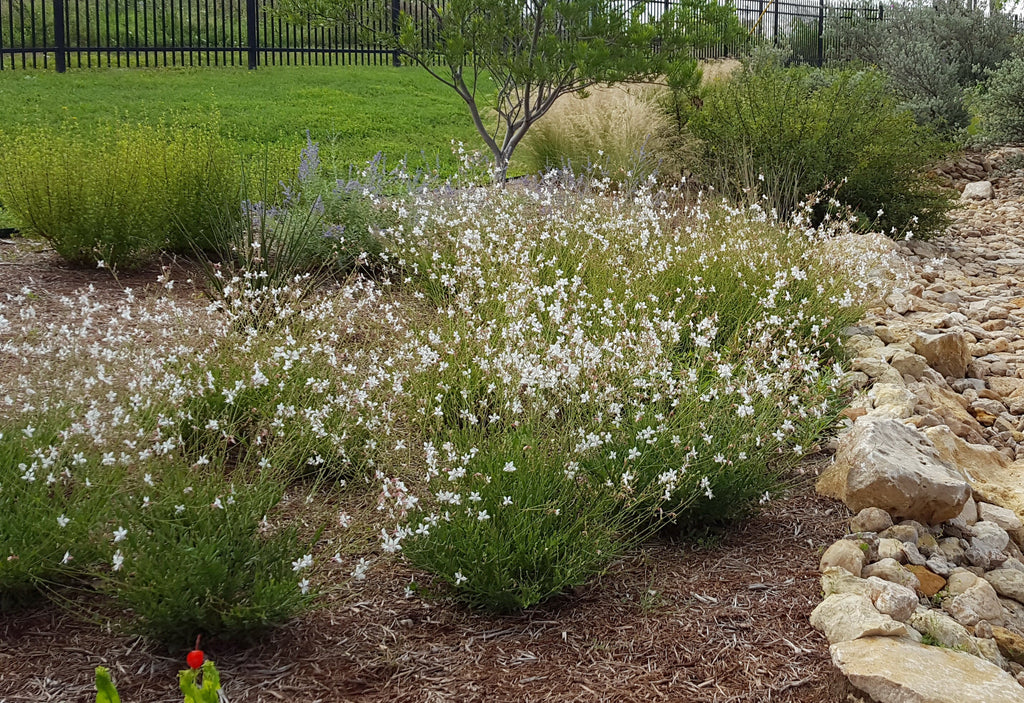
924	598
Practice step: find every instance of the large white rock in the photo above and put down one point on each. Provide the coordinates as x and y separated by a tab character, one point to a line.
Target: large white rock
979	190
889	465
894	670
849	616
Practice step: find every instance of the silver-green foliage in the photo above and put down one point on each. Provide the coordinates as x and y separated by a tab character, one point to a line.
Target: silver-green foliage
931	51
1000	101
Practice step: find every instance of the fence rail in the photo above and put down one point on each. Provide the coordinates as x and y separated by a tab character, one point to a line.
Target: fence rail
85	33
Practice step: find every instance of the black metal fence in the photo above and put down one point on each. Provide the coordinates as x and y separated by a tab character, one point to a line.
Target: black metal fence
86	33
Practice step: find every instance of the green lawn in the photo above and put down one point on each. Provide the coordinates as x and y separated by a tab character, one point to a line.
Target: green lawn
352	111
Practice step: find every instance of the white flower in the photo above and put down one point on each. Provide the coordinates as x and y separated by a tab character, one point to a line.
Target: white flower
509	467
303	563
482	515
119	534
118	560
63	521
179	509
344	519
217	504
459	578
304	586
67	558
359	573
29	431
507	500
148	479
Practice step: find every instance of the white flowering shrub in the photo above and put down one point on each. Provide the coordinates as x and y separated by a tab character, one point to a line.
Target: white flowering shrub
666	363
539	376
51	505
194	553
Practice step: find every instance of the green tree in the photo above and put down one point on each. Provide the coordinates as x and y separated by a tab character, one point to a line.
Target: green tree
510	60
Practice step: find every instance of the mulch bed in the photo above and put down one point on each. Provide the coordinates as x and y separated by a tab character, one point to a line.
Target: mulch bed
719	622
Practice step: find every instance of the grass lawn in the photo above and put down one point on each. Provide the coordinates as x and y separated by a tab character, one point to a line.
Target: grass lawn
352	111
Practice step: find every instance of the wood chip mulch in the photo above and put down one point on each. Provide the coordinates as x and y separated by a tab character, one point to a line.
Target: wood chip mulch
675	622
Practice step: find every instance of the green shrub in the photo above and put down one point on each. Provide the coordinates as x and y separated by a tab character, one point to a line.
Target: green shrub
515	529
193	555
931	51
119	195
52	504
999	102
786	133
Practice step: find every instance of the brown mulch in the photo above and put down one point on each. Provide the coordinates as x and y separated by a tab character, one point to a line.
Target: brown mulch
719	622
675	622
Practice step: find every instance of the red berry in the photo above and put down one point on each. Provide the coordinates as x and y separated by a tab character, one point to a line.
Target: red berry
195	658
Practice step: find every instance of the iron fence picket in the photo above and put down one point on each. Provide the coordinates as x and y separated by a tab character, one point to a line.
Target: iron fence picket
57	33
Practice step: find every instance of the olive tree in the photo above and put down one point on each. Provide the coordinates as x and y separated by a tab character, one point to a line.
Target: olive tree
511	60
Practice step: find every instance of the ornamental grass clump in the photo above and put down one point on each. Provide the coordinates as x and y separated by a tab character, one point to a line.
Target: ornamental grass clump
120	195
621	131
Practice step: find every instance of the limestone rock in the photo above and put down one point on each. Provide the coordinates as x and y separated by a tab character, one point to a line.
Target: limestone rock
894	670
845	554
977	603
850	616
891	549
959	581
836	580
947	632
1006	519
988	545
870	520
979	190
908	364
888	465
946	352
892	570
1011	645
1007	582
898	602
992	476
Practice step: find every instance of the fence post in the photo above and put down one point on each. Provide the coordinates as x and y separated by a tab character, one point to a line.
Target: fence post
60	39
821	32
396	30
881	7
252	30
